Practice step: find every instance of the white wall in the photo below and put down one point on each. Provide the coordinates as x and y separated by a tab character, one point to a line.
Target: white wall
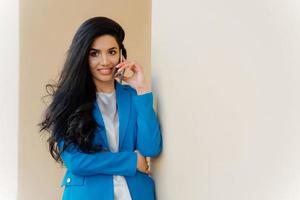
226	76
9	73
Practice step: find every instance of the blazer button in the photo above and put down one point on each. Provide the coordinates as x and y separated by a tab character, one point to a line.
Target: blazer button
68	180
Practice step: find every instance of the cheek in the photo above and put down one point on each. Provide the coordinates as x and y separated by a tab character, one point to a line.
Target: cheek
92	63
92	67
115	60
92	71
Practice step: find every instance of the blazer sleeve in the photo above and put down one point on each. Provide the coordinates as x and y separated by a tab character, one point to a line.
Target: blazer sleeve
84	164
149	139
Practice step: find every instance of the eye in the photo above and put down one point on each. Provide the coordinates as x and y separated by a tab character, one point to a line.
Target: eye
112	52
93	53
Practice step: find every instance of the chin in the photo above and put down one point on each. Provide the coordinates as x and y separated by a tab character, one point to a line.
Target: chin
105	79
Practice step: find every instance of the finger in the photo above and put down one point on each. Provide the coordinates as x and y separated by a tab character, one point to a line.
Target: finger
133	66
116	73
119	71
127	65
119	65
118	78
125	79
123	65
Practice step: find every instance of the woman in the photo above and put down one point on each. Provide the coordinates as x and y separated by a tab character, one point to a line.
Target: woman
100	129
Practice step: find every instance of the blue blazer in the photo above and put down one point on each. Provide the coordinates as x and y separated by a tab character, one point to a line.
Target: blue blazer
90	176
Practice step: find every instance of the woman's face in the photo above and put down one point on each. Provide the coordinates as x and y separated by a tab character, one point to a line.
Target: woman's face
104	55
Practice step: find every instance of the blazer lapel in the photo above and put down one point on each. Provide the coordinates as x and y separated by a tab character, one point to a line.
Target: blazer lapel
99	119
123	106
123	109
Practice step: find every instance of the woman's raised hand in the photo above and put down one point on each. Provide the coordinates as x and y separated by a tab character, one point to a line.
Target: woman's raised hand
137	80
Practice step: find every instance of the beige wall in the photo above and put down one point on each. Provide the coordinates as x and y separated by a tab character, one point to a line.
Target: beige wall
226	75
46	29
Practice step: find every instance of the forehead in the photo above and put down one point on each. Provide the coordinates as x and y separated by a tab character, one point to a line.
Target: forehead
104	42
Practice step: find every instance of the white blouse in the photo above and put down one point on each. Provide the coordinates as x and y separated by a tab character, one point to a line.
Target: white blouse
108	106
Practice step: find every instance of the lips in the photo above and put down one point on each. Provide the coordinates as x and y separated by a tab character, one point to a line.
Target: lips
106	70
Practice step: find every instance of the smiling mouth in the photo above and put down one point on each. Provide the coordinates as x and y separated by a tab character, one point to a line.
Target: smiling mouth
105	71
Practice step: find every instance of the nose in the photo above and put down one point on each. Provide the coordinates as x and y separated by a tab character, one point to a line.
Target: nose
103	60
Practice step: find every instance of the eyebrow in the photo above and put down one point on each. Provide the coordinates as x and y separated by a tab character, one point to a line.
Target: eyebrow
93	49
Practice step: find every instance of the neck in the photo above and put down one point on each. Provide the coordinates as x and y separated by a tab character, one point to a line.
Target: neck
107	87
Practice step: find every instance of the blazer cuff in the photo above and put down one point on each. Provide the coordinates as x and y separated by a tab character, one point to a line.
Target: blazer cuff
143	102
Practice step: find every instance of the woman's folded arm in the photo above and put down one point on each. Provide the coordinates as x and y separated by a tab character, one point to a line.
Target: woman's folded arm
80	163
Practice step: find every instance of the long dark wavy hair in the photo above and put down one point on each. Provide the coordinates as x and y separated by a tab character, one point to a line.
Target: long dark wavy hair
69	115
